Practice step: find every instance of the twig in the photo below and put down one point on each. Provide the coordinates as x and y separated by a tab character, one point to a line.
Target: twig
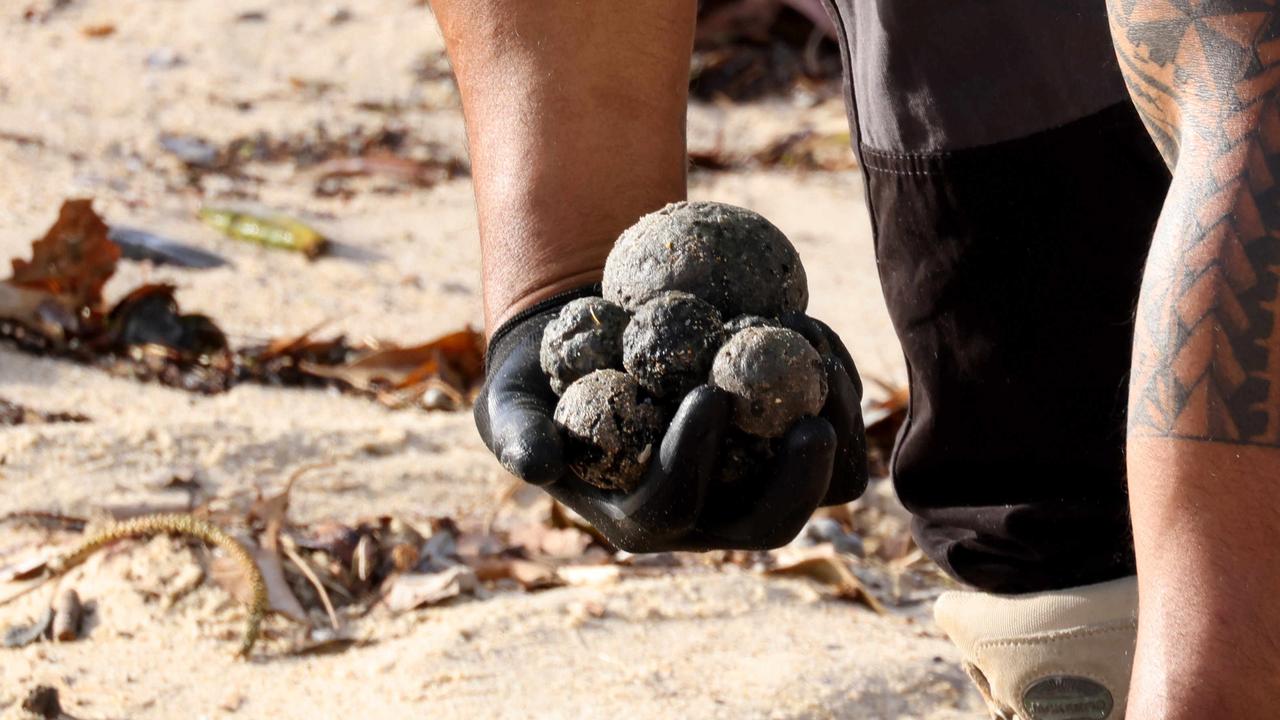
173	524
305	567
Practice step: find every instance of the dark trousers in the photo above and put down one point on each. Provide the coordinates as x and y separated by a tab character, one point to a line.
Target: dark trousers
1013	192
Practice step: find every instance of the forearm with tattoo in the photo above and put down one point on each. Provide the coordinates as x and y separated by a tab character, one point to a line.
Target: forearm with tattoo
1206	78
1204	398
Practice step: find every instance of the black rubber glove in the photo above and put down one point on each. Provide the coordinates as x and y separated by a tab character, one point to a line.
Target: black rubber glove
679	505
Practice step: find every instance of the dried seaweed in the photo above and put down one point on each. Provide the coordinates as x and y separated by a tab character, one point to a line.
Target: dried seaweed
391	152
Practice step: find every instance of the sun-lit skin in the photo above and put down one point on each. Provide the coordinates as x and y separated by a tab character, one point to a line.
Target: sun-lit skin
576	116
1204	427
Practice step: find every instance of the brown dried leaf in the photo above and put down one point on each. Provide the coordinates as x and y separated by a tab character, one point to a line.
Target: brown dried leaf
539	539
810	150
38	309
73	260
456	359
22	635
227	573
335	539
414	590
529	574
27	567
883	419
422	173
560	516
824	564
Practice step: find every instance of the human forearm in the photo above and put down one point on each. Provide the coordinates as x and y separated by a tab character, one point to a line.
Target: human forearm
1204	463
575	115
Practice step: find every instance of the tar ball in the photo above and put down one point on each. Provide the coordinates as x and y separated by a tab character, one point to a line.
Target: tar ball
731	257
742	322
586	336
610	433
670	344
774	376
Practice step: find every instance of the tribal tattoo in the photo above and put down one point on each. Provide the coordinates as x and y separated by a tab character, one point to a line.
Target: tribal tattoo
1205	76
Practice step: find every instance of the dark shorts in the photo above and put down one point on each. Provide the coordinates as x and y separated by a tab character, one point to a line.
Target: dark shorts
1013	192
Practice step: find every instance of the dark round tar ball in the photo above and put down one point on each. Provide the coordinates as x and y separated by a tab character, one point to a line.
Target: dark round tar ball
670	344
775	377
610	432
586	336
729	256
742	322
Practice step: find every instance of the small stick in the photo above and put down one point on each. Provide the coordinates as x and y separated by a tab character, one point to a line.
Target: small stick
175	524
305	567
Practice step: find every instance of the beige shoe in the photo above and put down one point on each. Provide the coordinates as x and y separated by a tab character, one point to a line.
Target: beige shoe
1060	655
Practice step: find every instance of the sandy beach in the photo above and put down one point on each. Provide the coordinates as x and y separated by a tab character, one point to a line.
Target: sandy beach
83	111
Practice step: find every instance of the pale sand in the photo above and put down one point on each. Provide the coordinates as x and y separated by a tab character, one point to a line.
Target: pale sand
695	644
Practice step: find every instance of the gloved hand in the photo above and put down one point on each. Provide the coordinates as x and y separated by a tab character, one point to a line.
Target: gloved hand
679	505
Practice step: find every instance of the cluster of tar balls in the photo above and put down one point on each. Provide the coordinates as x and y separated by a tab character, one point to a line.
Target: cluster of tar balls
693	294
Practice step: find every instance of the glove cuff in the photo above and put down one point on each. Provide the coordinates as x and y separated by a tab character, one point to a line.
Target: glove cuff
1059	654
497	344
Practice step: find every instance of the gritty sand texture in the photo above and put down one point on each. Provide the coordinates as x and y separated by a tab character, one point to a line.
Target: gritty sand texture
81	116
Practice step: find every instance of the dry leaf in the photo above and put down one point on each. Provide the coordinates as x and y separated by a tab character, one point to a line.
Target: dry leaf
335	539
529	574
27	567
456	360
884	418
23	635
73	260
539	539
39	310
227	573
422	173
810	150
413	590
824	564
